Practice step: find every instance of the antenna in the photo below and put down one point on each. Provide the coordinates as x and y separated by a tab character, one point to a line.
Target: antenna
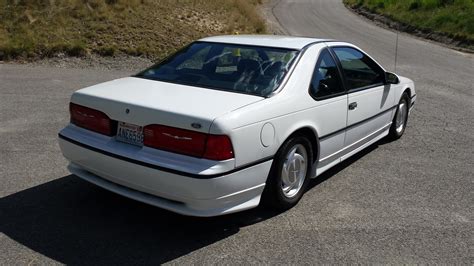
396	49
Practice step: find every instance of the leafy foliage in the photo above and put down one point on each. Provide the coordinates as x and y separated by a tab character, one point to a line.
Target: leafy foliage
453	17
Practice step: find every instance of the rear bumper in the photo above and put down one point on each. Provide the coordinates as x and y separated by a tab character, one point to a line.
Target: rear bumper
221	194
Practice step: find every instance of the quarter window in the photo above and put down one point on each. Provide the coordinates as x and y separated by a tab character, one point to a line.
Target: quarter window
359	70
326	81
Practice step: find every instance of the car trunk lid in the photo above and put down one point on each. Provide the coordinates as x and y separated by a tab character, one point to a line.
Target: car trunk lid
143	102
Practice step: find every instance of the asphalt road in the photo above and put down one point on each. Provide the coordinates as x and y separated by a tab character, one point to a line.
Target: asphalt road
408	201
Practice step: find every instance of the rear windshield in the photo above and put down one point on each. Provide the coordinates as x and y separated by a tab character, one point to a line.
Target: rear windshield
253	70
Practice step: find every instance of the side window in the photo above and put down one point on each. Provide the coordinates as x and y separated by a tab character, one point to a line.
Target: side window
326	80
359	70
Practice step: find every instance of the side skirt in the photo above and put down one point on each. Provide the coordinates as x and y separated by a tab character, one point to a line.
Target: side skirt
329	161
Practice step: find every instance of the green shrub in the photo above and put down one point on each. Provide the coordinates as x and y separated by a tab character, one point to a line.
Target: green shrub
415	4
452	17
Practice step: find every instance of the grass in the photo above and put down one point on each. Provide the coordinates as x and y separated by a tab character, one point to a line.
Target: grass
452	17
152	28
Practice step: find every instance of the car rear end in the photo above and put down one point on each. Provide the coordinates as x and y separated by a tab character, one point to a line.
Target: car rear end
148	137
160	154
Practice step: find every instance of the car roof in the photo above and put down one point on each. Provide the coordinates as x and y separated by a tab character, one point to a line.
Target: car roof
280	41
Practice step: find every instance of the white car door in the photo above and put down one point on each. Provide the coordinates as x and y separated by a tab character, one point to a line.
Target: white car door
370	101
328	90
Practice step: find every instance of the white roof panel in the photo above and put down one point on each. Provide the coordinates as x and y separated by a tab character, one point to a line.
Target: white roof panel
279	41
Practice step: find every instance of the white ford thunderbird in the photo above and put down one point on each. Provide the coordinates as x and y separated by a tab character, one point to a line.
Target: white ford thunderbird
230	122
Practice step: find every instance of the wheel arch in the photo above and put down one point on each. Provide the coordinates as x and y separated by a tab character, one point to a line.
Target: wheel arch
305	130
407	90
312	135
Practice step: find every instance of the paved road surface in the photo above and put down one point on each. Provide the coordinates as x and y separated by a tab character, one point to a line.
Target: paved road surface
408	201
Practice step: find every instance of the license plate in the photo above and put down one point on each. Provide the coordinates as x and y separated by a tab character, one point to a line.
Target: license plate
130	133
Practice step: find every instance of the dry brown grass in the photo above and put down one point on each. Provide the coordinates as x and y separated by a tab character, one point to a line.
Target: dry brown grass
151	28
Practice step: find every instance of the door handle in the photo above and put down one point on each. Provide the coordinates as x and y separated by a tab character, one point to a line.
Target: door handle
353	106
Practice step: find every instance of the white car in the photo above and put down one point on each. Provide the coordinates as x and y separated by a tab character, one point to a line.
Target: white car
229	122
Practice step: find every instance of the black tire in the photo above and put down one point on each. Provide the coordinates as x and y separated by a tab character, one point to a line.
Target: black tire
395	131
273	195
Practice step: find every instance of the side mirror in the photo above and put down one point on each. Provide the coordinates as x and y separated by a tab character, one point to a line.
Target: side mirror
391	78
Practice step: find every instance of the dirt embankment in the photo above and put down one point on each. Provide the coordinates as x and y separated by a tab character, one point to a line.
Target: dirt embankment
67	33
442	38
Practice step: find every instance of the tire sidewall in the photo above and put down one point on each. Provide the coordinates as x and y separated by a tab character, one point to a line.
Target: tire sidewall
393	130
273	194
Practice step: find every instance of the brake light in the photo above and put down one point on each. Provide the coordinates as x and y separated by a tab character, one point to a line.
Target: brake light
218	147
188	142
91	119
174	140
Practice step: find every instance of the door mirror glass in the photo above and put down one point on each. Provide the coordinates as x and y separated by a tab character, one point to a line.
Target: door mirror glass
391	78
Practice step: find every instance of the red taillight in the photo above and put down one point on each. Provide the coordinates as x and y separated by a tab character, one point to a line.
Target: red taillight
174	139
188	142
91	119
218	147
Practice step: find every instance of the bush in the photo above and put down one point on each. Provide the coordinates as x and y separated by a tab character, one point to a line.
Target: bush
451	17
414	5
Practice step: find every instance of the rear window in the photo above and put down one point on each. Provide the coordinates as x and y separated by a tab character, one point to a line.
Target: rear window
253	70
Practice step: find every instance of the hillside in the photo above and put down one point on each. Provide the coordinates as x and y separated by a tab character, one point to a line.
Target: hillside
31	29
428	18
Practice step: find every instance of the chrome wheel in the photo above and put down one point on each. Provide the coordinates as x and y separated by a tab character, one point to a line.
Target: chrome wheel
294	169
401	118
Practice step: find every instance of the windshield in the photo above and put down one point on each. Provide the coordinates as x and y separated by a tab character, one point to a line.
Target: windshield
247	69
